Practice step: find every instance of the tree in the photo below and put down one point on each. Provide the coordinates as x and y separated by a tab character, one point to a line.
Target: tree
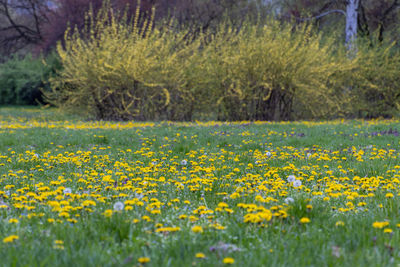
42	23
362	16
351	24
21	23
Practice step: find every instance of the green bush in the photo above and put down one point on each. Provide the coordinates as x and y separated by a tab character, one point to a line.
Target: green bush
21	80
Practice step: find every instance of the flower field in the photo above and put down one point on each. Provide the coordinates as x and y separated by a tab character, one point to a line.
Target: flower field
86	193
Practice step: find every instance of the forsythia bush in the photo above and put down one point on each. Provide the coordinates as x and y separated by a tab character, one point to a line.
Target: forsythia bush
120	70
265	73
376	89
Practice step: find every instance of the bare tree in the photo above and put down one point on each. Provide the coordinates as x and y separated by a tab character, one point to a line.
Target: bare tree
362	16
21	23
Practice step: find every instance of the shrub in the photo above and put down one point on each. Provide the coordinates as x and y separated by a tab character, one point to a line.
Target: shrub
265	72
117	70
114	69
21	80
376	84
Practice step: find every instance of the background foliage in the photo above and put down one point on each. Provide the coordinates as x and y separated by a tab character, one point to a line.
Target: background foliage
23	79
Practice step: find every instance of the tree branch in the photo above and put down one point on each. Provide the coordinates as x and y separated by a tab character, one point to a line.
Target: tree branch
11	21
35	16
324	14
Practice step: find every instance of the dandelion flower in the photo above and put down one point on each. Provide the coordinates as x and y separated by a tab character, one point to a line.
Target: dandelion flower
387	230
143	259
389	195
108	213
197	229
380	225
10	239
228	260
339	223
304	220
200	255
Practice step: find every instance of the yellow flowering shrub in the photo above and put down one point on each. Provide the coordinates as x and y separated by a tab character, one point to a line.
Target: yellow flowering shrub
115	69
375	88
264	72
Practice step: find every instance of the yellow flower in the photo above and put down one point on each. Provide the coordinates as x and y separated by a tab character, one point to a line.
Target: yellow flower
339	223
304	220
387	230
12	220
143	259
128	208
222	205
389	195
380	225
108	213
228	261
168	229
63	214
146	218
197	229
193	218
200	255
155	212
10	238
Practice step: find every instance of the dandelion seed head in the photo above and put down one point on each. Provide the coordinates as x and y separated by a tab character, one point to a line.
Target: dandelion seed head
118	206
291	178
296	183
289	200
67	190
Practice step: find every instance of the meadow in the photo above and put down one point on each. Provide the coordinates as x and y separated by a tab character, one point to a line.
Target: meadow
94	193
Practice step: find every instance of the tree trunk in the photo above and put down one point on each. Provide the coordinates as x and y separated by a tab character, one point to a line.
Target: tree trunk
351	25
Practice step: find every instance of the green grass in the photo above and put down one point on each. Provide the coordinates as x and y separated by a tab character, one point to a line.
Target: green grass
42	152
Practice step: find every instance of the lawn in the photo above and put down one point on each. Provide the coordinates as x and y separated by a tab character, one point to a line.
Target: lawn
84	193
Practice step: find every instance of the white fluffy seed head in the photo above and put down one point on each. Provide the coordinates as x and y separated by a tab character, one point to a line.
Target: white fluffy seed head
297	183
291	178
289	200
118	206
67	190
